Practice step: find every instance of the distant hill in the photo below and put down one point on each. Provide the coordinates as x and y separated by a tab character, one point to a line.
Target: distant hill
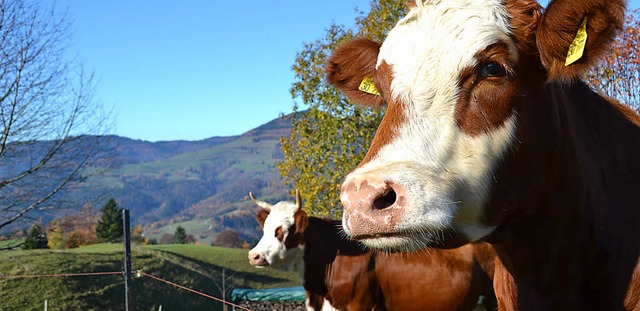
203	184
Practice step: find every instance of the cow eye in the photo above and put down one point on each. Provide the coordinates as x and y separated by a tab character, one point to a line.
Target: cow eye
493	69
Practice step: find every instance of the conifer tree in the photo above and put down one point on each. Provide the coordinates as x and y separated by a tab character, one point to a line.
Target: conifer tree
180	236
110	227
36	239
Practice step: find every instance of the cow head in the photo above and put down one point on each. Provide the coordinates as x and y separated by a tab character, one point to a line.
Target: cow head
457	80
283	225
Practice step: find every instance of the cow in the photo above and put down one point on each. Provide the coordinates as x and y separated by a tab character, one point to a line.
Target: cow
342	274
490	135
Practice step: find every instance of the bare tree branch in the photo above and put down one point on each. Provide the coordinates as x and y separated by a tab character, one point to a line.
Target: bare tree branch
618	74
46	106
44	198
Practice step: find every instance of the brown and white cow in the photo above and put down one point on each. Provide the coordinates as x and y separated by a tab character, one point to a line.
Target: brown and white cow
489	136
342	274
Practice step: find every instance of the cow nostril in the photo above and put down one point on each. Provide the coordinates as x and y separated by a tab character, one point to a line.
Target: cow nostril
385	201
256	257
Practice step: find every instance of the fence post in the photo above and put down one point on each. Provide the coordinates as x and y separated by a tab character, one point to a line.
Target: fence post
224	296
128	299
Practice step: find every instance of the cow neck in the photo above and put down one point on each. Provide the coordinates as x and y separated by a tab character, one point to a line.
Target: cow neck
320	240
569	180
323	241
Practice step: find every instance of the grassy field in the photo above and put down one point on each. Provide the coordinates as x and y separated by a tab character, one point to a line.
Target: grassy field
195	227
196	267
11	243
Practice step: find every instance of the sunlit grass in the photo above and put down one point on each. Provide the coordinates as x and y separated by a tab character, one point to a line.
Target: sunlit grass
197	267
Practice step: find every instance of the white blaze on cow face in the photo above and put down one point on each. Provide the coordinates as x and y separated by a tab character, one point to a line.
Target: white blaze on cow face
272	250
429	179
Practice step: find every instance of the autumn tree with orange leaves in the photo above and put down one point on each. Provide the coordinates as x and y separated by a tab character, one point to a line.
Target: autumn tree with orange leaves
618	74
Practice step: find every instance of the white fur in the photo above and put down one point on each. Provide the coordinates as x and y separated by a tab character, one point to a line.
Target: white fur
445	172
326	306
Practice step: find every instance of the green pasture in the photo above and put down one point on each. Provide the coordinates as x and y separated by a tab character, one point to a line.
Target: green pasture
196	267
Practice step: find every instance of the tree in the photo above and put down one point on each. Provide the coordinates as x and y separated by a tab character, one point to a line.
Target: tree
55	235
74	240
190	239
180	236
110	226
332	135
166	238
228	238
137	234
618	74
46	104
81	223
36	239
84	223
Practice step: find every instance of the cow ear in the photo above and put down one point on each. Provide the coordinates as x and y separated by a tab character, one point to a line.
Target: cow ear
525	16
561	32
350	65
301	220
261	217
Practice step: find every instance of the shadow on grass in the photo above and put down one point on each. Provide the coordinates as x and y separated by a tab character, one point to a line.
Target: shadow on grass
238	278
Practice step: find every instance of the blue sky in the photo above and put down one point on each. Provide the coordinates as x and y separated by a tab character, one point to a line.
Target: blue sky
196	69
200	68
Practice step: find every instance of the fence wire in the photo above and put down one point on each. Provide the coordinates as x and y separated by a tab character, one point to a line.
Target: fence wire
122	273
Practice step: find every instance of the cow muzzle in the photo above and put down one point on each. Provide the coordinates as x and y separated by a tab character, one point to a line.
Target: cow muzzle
256	259
372	208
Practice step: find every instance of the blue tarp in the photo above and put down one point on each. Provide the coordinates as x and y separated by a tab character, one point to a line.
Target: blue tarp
273	294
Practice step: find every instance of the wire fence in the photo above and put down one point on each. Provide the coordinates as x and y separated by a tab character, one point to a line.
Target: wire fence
136	273
193	291
57	275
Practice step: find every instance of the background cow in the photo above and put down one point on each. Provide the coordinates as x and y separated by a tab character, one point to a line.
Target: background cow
342	274
489	135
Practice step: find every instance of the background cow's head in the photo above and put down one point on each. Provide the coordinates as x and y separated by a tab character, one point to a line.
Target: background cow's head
283	225
458	77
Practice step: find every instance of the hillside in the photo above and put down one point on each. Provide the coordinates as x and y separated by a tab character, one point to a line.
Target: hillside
206	182
197	267
203	184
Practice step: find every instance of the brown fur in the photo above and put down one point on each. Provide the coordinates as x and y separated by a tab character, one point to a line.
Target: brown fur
484	103
632	300
525	15
559	24
393	115
356	60
261	217
352	277
439	279
564	203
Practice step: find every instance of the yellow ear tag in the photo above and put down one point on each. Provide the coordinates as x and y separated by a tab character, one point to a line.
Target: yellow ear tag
367	86
576	49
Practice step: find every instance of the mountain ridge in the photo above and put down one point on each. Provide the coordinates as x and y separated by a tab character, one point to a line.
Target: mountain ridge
204	181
